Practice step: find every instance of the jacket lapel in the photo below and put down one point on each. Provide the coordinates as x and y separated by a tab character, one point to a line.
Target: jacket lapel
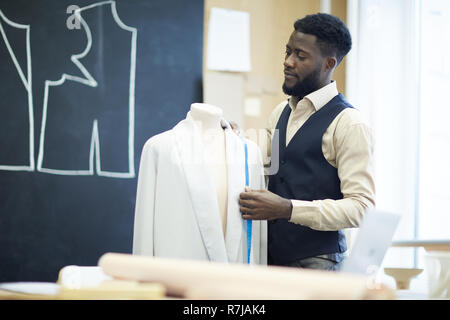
236	181
200	187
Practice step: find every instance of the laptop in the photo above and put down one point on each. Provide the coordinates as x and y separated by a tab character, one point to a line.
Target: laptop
371	243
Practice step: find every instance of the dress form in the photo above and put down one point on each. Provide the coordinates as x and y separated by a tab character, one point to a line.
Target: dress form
208	119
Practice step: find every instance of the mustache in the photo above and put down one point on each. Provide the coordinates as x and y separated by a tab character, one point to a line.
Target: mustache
290	73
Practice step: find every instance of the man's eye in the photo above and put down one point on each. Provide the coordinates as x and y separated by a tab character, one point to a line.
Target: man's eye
301	58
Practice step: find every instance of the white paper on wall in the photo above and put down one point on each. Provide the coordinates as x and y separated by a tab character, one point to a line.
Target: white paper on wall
252	107
228	40
225	90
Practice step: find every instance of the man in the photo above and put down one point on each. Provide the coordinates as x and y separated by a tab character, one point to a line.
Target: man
325	179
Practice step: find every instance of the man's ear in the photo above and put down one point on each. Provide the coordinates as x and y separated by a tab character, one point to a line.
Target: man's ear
330	63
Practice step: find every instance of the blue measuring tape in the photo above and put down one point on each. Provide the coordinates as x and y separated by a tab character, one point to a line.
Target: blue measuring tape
249	222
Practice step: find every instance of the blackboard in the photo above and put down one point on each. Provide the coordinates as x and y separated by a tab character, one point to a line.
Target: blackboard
83	85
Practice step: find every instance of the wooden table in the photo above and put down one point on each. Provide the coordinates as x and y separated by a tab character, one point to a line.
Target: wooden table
428	245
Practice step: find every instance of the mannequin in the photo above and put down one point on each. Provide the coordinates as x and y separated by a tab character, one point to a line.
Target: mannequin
190	178
208	119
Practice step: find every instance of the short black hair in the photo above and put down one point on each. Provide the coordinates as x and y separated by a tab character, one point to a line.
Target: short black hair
332	34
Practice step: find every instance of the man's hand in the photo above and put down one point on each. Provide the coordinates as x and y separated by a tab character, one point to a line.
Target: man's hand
264	205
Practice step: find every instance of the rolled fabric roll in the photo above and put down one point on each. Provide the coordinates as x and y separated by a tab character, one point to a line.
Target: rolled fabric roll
203	279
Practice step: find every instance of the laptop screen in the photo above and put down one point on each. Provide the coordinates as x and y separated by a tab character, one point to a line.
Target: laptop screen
372	242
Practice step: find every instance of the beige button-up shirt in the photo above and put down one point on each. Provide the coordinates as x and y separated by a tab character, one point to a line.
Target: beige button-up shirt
348	146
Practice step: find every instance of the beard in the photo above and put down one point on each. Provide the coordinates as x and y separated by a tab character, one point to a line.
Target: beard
302	88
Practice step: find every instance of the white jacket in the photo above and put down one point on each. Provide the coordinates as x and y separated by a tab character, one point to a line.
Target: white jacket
177	214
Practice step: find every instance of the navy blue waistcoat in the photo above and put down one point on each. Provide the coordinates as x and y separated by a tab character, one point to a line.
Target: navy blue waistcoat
305	174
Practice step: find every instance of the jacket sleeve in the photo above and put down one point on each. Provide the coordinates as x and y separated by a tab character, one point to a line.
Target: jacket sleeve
145	203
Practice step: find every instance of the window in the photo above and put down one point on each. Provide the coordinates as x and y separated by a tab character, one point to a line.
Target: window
398	75
434	165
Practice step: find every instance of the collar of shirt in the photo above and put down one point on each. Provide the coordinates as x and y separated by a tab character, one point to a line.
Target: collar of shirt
318	98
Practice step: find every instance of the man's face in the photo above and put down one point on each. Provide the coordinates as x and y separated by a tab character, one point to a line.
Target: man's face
302	65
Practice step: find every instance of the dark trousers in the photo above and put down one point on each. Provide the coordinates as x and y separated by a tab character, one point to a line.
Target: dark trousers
318	263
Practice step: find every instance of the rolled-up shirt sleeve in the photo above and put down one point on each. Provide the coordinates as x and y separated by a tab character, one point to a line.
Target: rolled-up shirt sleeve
349	147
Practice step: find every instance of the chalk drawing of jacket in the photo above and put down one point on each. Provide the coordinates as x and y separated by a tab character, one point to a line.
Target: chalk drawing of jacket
88	121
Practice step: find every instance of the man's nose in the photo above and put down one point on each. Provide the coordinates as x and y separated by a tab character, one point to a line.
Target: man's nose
289	61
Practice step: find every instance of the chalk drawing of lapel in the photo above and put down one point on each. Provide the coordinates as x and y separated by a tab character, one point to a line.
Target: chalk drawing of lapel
21	106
